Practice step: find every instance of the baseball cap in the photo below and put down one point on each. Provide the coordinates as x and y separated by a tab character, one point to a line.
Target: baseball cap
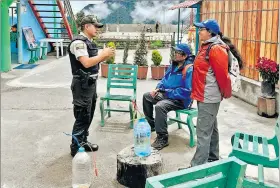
210	24
184	48
91	20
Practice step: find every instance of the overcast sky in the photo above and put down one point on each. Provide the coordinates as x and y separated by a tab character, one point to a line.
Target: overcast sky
143	10
79	5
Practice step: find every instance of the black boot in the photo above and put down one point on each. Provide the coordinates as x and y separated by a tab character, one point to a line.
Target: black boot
160	142
74	149
89	146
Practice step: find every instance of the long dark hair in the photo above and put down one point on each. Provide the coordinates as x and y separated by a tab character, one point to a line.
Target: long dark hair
233	49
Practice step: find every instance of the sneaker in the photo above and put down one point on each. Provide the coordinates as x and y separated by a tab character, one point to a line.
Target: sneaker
89	146
160	142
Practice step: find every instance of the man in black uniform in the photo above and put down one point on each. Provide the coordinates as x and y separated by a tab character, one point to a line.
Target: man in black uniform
85	61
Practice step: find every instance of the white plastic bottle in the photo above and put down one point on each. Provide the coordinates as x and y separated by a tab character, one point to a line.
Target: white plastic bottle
81	170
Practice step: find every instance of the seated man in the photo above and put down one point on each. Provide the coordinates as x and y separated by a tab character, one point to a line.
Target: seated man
172	93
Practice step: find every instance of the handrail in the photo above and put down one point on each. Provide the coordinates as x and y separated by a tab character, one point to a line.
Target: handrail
69	11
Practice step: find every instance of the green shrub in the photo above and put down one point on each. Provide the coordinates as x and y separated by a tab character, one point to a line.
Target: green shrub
156	44
156	57
112	59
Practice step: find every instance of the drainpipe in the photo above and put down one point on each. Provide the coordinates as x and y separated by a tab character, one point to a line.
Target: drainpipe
5	36
19	32
196	30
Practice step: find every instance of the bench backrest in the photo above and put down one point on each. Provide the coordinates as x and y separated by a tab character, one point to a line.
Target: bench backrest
226	173
122	77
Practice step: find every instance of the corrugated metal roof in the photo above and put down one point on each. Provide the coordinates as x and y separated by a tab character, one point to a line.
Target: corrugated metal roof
185	4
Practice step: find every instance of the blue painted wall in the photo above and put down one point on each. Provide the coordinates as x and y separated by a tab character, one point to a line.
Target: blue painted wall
29	20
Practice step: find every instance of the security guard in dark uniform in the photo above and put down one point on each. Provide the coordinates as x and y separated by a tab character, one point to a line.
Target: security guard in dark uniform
85	61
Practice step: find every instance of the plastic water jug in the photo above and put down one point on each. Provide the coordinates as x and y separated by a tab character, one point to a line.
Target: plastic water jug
82	172
142	138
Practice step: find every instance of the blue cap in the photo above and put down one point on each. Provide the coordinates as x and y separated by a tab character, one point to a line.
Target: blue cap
210	24
184	48
81	149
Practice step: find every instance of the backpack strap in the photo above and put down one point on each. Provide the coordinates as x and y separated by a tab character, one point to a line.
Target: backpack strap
185	69
209	48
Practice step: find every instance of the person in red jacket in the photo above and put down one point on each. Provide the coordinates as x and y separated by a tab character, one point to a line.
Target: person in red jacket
210	82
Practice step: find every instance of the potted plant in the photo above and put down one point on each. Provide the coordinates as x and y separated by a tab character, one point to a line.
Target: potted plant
269	71
125	55
140	57
104	65
157	70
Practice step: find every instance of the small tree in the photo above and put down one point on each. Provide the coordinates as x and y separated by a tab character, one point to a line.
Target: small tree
112	59
156	57
125	53
79	16
141	52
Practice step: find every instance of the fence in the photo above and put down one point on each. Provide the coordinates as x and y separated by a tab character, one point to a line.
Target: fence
252	26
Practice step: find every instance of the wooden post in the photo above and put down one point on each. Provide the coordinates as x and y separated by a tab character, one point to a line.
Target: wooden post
132	171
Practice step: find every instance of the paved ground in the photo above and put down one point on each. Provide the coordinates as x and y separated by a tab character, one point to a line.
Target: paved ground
36	109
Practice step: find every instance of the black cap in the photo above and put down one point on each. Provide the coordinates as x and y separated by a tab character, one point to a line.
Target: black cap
91	20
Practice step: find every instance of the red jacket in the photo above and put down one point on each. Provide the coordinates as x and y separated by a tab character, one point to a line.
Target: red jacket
211	81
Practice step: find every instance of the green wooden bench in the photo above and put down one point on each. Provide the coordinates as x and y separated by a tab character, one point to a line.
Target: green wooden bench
226	173
191	114
119	77
256	156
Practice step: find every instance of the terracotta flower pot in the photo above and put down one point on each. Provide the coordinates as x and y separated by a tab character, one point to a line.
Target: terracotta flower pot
142	72
157	72
104	70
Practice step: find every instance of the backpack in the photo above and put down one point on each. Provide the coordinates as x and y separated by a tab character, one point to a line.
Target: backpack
233	68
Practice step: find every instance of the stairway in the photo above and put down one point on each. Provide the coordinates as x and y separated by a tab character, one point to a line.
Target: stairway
55	18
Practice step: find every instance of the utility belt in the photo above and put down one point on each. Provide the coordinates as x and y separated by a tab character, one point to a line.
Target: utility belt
94	76
87	79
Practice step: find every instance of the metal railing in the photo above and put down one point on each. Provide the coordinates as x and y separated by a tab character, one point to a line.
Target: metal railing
70	17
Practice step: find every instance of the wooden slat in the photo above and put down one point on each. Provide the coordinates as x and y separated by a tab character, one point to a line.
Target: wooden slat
244	36
265	147
245	142
217	10
268	30
258	36
240	33
260	174
255	144
230	25
220	14
236	140
226	23
263	28
232	19
236	24
115	110
121	86
274	36
124	81
122	76
119	71
222	3
253	37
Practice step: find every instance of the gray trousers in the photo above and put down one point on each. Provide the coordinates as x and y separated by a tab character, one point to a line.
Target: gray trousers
207	134
163	105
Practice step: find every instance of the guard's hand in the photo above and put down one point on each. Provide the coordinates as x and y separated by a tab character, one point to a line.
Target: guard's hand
154	93
108	52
